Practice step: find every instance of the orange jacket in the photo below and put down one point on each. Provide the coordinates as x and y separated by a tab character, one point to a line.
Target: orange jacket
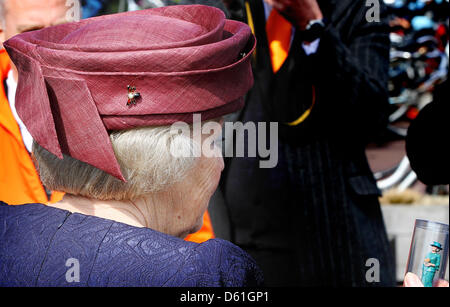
19	181
205	233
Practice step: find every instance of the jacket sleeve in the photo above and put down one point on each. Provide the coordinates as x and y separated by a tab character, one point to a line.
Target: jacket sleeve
351	66
438	263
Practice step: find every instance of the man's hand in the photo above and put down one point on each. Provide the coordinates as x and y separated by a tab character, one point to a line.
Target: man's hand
298	12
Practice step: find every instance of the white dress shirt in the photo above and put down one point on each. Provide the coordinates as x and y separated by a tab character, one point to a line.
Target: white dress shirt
12	88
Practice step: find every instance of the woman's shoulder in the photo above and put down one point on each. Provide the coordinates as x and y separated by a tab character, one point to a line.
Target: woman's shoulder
162	260
114	254
236	267
224	249
158	259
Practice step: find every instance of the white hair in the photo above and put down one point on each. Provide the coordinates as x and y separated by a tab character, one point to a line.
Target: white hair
143	155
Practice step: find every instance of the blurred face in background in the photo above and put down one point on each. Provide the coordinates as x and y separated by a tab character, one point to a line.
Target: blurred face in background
28	15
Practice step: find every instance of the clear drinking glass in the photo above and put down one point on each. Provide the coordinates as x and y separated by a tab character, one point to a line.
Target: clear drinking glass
428	255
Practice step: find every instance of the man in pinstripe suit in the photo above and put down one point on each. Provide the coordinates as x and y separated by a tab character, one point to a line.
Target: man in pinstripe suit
315	219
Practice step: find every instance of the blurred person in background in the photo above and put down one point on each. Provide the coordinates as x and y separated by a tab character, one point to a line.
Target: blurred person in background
19	181
426	143
92	8
321	72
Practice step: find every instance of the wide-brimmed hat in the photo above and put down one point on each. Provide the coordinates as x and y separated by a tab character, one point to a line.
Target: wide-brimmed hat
437	244
77	81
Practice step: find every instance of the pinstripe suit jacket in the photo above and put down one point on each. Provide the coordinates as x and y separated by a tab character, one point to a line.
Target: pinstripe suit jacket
315	218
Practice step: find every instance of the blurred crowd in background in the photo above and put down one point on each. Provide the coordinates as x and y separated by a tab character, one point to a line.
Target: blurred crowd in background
419	65
100	7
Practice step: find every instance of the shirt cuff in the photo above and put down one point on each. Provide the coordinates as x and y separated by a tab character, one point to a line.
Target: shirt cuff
312	47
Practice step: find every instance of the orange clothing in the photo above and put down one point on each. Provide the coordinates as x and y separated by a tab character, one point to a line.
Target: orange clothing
205	233
279	34
19	180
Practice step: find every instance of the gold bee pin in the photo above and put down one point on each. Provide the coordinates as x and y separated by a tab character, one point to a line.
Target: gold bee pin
132	95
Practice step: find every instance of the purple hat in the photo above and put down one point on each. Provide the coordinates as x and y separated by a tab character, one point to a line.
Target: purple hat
77	81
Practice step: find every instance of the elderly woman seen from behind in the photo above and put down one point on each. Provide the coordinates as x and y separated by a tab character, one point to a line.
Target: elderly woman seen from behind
99	98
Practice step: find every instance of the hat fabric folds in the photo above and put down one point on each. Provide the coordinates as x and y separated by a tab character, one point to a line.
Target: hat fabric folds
74	78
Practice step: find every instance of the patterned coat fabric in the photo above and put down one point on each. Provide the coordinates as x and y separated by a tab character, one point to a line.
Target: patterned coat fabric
40	244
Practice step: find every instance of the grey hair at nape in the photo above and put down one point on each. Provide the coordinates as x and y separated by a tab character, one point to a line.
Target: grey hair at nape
143	155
